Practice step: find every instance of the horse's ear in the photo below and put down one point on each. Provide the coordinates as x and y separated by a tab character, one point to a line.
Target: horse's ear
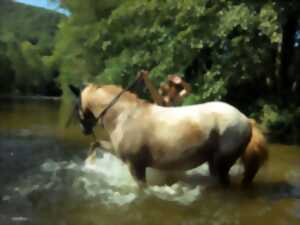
75	90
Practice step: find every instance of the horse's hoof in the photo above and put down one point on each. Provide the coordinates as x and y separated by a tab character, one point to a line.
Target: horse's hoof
246	184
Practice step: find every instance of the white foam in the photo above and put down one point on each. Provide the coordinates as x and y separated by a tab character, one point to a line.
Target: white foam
108	179
50	166
120	188
112	170
178	192
19	219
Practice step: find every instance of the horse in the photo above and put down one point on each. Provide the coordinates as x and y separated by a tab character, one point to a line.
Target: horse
143	134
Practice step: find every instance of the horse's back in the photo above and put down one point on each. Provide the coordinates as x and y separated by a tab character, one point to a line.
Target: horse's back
210	117
221	113
224	114
213	116
234	129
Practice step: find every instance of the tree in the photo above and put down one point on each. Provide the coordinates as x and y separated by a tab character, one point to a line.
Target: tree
240	52
214	43
26	43
290	17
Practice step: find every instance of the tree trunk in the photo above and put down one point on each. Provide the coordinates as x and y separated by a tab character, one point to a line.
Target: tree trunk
287	51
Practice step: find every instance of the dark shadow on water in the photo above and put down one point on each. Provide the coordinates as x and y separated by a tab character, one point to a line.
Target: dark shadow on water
274	190
21	156
269	190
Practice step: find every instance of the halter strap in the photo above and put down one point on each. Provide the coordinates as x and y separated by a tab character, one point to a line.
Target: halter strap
115	99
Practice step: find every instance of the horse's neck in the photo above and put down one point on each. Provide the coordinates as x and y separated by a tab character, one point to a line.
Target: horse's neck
124	107
117	114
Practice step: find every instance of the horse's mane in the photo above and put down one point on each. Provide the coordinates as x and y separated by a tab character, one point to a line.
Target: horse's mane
115	90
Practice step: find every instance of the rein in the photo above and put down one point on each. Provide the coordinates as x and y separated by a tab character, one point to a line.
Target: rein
96	144
92	118
115	99
100	117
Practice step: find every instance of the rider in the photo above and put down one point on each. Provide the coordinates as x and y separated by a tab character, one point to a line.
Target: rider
170	93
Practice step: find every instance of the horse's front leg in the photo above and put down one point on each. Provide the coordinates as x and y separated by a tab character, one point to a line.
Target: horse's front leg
91	156
106	145
138	171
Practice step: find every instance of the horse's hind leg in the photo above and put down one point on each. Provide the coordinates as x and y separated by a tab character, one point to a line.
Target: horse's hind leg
222	171
138	171
212	168
219	166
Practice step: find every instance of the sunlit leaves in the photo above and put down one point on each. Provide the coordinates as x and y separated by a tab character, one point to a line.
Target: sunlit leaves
28	36
166	37
233	16
269	25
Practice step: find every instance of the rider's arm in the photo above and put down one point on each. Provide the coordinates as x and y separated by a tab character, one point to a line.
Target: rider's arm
157	98
186	89
177	80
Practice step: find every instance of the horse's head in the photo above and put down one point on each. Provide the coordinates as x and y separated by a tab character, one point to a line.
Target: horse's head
85	116
93	103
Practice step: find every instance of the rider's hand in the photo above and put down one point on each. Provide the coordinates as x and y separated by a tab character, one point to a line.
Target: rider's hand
143	74
175	79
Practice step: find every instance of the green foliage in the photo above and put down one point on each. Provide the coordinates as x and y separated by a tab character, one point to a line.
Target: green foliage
228	50
272	118
109	41
268	23
281	124
26	41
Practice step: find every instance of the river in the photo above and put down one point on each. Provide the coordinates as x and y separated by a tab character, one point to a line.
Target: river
45	181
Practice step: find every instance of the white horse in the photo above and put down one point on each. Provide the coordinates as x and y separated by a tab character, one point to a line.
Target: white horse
173	138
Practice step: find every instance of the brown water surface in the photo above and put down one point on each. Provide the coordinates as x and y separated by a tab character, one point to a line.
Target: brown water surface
43	180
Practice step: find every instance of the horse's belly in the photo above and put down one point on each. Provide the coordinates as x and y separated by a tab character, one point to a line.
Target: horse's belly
181	148
183	164
188	159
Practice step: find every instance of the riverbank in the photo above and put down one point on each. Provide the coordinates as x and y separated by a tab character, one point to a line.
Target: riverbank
278	127
29	97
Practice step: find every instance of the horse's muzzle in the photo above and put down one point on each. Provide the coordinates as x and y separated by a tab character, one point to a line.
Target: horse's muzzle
86	131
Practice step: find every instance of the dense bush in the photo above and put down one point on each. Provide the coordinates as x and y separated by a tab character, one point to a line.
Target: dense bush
26	42
239	52
217	46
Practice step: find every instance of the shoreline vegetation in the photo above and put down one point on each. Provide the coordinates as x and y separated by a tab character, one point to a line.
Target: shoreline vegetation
30	97
244	53
27	40
273	136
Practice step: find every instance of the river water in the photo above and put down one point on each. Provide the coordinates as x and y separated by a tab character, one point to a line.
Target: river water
44	180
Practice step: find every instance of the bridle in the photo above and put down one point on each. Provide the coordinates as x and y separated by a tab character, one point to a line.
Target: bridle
92	120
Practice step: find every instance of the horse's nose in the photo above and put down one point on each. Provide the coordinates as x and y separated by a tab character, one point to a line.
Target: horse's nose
85	130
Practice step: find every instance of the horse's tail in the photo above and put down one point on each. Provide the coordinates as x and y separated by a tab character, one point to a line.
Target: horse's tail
255	155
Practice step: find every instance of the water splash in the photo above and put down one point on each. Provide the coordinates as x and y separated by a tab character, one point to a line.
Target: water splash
118	187
109	182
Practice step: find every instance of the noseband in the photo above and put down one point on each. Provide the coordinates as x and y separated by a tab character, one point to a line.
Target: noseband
92	119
